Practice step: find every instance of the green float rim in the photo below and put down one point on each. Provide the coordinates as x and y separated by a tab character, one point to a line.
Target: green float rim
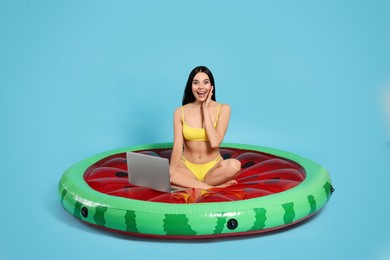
195	220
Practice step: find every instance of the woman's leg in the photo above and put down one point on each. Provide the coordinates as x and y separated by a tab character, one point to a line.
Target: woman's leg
223	172
185	178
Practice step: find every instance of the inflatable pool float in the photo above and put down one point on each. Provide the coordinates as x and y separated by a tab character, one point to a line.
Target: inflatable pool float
275	189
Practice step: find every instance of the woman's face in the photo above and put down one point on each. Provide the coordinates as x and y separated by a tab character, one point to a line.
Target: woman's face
201	86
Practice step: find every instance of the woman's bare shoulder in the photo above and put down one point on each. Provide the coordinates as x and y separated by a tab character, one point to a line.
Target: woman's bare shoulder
177	111
225	107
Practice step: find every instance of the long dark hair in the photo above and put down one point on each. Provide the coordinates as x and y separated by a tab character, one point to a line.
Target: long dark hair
188	96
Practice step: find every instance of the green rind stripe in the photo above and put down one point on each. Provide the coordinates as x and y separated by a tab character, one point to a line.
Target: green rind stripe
99	216
77	210
221	221
260	218
328	190
63	194
177	225
131	225
289	213
313	204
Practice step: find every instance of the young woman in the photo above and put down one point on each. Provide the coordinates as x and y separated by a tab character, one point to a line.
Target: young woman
199	128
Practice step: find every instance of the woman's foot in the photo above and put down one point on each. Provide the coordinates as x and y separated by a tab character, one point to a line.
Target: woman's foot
226	184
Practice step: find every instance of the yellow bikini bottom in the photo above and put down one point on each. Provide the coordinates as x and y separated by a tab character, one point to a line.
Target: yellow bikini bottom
200	170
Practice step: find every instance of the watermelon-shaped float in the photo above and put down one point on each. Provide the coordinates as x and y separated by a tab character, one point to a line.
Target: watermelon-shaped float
275	189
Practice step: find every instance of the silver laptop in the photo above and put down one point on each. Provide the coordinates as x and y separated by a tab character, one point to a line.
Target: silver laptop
149	171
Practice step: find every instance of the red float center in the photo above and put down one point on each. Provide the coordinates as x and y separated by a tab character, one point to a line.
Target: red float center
262	174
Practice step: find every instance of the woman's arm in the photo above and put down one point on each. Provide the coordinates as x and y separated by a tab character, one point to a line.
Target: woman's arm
215	135
177	149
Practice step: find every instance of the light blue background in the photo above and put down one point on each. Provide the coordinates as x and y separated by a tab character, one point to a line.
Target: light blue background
81	77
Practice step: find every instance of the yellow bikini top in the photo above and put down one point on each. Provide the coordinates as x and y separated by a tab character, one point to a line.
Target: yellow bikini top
196	134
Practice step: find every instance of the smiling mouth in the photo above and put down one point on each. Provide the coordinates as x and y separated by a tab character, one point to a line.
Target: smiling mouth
201	94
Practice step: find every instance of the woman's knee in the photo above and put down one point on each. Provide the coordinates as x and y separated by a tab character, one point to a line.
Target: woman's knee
233	164
236	164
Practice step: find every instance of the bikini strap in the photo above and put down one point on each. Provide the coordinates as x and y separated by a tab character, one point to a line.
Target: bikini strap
182	113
